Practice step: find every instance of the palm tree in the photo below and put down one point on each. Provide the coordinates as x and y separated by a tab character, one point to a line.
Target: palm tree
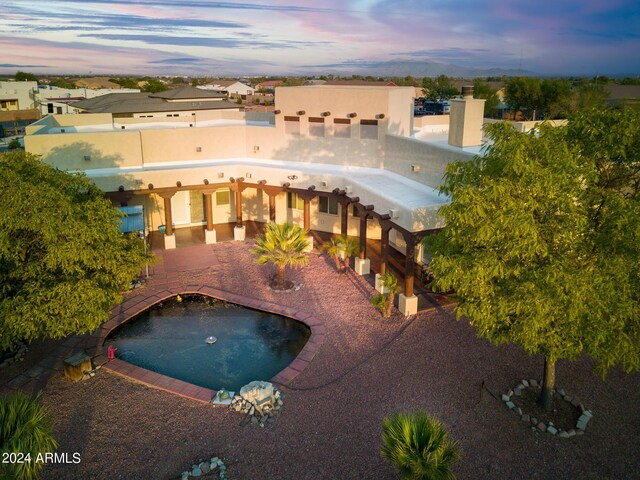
385	304
283	245
341	249
25	428
418	446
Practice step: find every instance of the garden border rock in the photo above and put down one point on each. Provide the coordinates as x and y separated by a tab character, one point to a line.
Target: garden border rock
206	468
548	427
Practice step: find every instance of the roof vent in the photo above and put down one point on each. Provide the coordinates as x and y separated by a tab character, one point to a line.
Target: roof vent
467	91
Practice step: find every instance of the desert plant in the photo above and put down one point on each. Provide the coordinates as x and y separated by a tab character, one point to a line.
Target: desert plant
283	245
26	428
341	249
13	144
385	304
418	446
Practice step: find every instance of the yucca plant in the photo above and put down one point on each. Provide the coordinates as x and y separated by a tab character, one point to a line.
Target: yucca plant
385	304
283	245
417	444
341	249
25	428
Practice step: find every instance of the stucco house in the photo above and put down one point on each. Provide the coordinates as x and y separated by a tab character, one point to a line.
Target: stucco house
339	159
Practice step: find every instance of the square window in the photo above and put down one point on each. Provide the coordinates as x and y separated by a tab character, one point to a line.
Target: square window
328	205
223	196
294	201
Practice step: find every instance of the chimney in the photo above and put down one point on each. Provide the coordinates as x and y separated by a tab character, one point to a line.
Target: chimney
466	119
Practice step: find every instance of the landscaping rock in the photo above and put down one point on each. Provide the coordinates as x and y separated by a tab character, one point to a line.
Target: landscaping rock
552	430
525	418
505	398
196	472
205	468
510	404
561	392
542	427
525	383
533	383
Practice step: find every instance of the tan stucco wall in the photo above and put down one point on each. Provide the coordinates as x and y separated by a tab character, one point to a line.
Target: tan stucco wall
465	128
105	149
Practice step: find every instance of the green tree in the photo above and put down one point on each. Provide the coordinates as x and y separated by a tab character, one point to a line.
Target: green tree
25	77
481	89
284	246
524	94
418	445
63	260
154	85
555	94
385	303
125	82
25	428
64	83
441	88
588	95
542	240
14	144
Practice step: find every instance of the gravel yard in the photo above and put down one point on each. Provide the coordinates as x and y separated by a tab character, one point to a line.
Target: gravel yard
330	426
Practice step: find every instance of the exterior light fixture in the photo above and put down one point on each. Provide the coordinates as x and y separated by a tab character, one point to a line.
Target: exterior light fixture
292	177
198	149
87	157
220	174
247	175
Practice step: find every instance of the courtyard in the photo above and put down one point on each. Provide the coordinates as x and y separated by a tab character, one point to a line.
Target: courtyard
364	369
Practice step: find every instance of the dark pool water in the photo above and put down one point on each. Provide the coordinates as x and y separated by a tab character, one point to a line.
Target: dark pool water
170	339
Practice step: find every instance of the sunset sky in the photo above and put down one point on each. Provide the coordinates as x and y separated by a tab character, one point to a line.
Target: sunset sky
584	37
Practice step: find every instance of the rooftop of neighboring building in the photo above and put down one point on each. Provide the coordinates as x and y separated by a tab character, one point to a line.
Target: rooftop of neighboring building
32	114
360	83
95	82
121	103
622	92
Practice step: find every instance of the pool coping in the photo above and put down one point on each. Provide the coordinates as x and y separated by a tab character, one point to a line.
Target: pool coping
150	296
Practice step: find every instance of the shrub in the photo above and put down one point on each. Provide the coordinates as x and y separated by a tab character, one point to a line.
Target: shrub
25	428
418	446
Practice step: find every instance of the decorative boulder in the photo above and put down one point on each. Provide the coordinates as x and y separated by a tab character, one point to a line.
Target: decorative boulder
258	393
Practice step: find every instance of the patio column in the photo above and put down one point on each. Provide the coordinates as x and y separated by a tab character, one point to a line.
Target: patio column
385	227
362	263
237	186
272	207
210	232
307	214
344	218
408	302
307	196
169	237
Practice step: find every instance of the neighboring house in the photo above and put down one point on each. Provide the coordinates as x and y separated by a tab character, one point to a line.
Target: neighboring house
623	94
337	159
232	87
96	82
178	102
270	85
18	95
51	99
14	122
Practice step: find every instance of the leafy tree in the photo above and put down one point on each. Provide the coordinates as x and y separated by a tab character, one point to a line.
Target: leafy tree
385	303
25	428
63	260
524	94
341	249
283	245
125	82
154	86
555	94
418	445
64	83
25	77
481	89
589	95
441	88
630	81
542	240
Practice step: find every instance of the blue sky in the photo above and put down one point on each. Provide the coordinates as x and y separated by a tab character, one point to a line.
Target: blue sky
205	37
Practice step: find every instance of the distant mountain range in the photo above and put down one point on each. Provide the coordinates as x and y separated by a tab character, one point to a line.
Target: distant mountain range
402	68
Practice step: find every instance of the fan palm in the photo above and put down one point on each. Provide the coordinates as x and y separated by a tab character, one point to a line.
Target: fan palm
385	304
418	446
341	249
25	428
283	245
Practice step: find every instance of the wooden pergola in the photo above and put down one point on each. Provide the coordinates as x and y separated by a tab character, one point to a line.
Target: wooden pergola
238	185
